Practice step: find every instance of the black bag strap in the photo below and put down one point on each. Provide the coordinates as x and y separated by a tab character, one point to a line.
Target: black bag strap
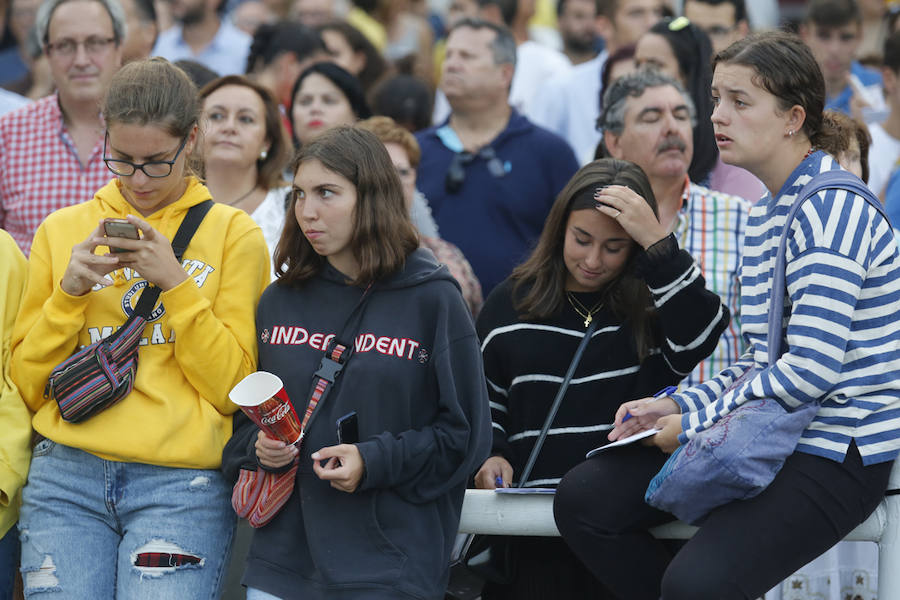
557	402
335	358
186	231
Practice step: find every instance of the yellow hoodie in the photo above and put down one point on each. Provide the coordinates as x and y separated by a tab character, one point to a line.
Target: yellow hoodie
203	343
15	420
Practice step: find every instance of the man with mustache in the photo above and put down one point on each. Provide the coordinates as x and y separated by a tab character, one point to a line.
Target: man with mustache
648	119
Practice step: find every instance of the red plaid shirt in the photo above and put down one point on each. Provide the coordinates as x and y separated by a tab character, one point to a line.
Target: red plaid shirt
39	168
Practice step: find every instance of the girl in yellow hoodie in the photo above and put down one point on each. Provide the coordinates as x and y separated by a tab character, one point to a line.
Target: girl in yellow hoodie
130	503
15	421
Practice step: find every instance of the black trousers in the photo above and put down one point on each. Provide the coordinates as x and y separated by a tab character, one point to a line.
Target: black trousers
742	549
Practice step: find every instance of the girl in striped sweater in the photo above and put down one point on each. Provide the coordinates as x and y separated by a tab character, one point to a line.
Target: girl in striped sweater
656	320
842	348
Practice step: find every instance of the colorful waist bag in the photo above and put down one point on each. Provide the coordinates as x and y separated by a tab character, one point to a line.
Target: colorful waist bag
100	375
259	494
739	456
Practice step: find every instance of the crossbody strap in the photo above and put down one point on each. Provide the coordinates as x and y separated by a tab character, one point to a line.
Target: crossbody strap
557	402
835	179
186	231
334	360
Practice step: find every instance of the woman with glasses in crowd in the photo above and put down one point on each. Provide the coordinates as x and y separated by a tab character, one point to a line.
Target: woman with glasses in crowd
130	502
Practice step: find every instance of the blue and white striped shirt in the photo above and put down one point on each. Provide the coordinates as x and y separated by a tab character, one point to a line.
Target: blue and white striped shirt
841	310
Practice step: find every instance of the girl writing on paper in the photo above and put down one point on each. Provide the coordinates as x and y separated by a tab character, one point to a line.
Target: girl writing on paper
601	256
842	348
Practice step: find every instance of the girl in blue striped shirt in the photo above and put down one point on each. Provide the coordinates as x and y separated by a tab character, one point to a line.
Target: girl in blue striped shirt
842	348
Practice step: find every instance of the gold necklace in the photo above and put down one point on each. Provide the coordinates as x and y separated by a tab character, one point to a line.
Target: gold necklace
583	311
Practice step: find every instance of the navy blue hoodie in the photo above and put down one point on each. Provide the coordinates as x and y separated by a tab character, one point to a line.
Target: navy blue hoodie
417	384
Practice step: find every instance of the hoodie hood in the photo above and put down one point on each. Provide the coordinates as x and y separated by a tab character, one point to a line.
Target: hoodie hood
166	218
420	267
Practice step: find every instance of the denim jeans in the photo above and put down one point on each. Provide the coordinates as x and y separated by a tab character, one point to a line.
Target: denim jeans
93	528
9	561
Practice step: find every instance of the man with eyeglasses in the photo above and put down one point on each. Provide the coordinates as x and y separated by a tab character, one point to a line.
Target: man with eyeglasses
490	175
724	21
51	150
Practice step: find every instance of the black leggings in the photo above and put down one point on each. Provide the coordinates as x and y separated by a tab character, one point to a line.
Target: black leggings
741	551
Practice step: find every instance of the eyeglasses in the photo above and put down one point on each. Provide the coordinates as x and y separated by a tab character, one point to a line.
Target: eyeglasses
68	47
155	168
456	172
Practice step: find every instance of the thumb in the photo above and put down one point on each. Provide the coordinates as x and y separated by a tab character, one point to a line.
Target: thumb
326	452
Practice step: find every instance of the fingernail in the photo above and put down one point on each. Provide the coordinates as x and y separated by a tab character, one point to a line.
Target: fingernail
315	456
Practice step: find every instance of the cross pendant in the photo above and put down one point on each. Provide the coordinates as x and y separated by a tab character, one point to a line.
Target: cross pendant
587	321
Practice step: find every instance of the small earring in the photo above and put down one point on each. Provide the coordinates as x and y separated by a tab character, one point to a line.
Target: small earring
791	133
263	154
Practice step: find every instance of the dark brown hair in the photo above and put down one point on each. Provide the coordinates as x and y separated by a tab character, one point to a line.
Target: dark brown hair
539	282
785	67
383	235
269	169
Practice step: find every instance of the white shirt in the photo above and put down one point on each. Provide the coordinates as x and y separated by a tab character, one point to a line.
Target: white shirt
883	155
270	215
569	104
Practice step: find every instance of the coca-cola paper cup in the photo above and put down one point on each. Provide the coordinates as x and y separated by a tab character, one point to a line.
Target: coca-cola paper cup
262	397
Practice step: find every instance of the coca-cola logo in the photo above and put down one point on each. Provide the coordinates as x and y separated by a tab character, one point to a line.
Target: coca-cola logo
276	416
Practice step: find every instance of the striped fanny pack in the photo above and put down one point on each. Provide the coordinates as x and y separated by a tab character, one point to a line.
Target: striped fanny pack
99	375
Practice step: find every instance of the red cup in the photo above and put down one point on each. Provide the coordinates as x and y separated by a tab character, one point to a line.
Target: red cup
262	397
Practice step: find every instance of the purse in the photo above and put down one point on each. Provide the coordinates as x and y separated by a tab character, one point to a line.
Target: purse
487	557
259	494
740	455
101	374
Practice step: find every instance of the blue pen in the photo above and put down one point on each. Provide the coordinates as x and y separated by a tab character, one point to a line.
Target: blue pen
498	481
663	392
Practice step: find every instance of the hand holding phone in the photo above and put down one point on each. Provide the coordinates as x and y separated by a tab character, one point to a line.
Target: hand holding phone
120	228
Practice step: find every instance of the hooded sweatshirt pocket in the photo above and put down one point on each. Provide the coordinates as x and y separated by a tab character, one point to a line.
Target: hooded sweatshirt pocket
346	540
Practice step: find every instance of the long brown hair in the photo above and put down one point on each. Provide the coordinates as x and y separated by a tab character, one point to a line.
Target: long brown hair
269	169
539	282
383	236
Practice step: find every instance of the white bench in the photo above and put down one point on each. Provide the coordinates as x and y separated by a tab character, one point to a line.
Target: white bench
487	512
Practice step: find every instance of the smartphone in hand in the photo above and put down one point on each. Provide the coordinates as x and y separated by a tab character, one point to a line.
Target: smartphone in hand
348	429
120	228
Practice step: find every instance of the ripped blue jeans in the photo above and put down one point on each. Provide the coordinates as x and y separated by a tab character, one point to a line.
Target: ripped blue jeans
93	528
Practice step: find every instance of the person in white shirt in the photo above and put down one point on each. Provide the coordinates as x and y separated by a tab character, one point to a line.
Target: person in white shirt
885	150
569	104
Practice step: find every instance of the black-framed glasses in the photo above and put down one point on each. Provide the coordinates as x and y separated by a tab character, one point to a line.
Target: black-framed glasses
153	168
92	45
456	172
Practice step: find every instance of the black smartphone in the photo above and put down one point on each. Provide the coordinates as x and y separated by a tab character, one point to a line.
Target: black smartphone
120	228
348	429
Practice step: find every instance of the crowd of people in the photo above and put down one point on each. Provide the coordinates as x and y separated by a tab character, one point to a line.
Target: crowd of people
456	196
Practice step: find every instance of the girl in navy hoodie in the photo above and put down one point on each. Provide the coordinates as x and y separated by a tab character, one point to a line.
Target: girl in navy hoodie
375	518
